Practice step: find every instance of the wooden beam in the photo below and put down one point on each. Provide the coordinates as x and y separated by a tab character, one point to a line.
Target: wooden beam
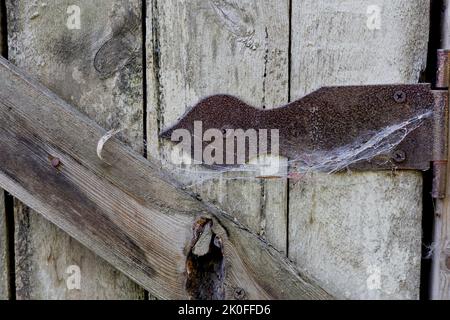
129	211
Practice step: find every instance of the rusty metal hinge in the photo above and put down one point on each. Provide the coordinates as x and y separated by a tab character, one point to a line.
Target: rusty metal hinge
380	127
441	125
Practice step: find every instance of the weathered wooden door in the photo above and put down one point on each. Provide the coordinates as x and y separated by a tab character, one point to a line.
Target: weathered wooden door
139	66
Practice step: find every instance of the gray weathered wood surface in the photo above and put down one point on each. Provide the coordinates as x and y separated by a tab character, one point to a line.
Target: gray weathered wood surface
4	254
2	31
69	62
199	48
331	44
359	233
125	208
440	273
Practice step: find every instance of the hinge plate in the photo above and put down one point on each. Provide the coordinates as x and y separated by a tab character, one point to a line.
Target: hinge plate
334	118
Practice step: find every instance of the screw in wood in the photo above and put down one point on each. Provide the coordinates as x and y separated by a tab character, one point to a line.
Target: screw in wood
399	96
399	156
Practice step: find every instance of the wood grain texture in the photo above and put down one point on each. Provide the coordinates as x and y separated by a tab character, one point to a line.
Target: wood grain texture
199	48
445	25
98	69
2	31
127	210
359	234
440	273
4	253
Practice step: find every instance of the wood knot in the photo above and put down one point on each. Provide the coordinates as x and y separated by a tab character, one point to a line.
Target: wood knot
204	263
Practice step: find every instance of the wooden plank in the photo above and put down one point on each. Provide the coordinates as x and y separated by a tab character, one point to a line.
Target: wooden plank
199	48
93	69
359	233
2	31
4	254
125	208
445	24
440	271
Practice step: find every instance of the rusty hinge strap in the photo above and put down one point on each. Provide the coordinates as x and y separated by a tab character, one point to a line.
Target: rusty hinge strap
370	127
333	123
440	133
440	127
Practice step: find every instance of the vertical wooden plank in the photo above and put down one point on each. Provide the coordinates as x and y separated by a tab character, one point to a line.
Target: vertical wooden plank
96	65
199	48
4	254
445	24
2	30
440	271
359	233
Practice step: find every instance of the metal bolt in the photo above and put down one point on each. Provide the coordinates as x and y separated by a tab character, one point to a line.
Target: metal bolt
239	294
55	162
399	156
400	96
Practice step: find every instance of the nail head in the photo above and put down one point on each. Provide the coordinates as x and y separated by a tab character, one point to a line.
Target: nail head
55	162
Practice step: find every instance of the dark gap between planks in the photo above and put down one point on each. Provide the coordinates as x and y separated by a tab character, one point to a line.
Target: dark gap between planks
429	76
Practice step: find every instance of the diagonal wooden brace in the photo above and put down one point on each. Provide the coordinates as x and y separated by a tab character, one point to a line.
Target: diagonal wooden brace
128	210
